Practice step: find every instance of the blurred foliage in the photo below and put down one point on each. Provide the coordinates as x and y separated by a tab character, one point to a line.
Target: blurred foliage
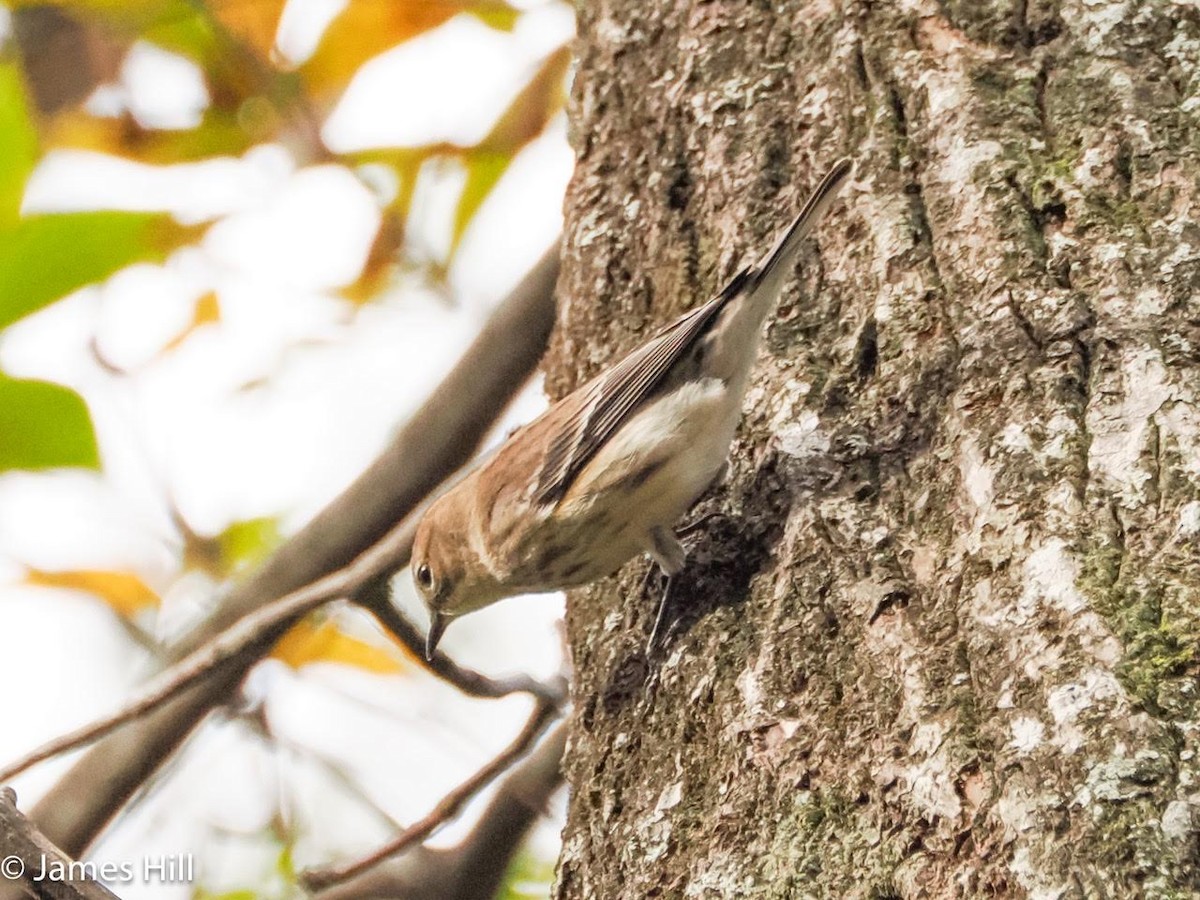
44	426
244	545
240	547
123	591
53	61
206	311
527	878
60	53
57	56
45	257
18	144
313	641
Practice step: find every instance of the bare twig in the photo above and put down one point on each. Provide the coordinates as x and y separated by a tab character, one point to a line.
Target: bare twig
480	862
442	436
34	862
374	598
475	867
448	807
226	647
365	577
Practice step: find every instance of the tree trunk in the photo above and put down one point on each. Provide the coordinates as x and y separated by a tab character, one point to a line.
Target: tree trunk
942	641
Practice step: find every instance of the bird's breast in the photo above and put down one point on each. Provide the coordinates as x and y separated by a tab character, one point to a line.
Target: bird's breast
648	475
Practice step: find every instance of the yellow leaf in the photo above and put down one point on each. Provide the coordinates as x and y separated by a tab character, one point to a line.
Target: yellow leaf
254	21
80	130
218	134
243	545
366	28
381	261
533	107
308	643
206	311
248	543
125	592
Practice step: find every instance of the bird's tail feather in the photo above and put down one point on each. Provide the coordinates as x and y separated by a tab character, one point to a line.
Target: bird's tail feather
775	264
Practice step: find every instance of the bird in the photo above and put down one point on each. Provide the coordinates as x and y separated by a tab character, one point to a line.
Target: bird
607	471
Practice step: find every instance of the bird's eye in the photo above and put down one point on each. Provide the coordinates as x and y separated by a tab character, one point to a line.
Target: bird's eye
424	576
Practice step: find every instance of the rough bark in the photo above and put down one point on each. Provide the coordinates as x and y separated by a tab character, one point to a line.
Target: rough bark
943	643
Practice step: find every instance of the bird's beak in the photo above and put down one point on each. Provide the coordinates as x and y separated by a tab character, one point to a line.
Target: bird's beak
437	627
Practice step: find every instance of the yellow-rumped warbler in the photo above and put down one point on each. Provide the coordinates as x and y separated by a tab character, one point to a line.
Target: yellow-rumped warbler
605	473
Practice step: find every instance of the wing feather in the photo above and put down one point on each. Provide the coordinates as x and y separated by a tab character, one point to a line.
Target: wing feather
620	391
615	395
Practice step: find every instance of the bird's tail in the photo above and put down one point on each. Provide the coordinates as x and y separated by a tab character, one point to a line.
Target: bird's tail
774	266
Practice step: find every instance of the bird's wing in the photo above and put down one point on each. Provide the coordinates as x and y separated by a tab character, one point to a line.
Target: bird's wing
613	396
617	393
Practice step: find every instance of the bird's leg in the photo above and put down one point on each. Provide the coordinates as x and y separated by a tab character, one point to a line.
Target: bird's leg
699	522
665	550
659	616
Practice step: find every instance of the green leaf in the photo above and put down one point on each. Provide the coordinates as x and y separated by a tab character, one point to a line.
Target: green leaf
245	544
135	15
524	119
18	143
44	426
45	257
499	16
484	168
191	36
527	878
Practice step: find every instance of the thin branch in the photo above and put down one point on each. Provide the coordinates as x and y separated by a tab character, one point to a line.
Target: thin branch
365	579
245	635
34	862
437	440
448	807
475	867
375	599
199	664
480	861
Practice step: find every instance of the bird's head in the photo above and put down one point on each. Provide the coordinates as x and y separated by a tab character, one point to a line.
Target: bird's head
447	570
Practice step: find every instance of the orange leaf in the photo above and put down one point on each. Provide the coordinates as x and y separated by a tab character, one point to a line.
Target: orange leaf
254	21
206	312
308	643
366	28
381	261
219	134
125	592
531	110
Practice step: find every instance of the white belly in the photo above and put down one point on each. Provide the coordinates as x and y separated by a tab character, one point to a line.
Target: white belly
656	466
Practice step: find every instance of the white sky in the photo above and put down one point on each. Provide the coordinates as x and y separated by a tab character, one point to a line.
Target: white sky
327	388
